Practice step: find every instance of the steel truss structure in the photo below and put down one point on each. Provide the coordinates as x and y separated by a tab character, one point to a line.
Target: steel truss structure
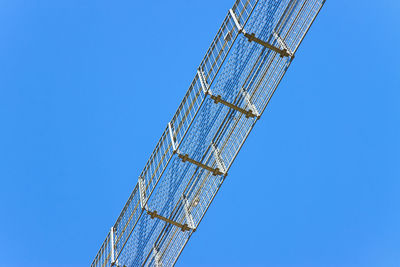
230	91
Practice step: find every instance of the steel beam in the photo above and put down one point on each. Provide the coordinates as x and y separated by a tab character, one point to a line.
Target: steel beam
154	214
214	171
252	37
218	99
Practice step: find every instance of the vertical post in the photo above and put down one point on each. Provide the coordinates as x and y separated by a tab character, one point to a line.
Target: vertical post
203	82
112	246
142	192
238	26
171	134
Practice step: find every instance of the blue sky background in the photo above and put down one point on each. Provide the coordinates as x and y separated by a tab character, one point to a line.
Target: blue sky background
86	88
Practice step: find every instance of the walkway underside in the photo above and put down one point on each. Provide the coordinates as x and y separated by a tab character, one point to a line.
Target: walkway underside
230	91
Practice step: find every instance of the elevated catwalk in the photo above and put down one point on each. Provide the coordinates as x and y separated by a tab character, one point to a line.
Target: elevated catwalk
230	91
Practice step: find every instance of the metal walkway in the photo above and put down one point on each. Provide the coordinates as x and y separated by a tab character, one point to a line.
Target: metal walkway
230	91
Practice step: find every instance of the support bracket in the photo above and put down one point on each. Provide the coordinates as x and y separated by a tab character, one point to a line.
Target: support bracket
154	214
218	99
218	159
252	37
215	171
188	215
251	106
282	43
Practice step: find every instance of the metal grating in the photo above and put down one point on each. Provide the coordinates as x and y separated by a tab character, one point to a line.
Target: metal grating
231	89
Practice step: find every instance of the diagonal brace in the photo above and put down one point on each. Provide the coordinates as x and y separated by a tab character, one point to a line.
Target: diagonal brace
142	193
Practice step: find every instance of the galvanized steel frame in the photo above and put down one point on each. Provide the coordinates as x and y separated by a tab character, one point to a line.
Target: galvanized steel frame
231	89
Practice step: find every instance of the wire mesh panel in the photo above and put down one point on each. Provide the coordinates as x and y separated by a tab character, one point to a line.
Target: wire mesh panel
127	221
232	87
103	257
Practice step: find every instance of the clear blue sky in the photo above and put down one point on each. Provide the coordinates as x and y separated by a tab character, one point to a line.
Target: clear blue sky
86	88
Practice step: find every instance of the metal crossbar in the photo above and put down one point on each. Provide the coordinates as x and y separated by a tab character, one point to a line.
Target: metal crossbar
214	171
154	214
234	83
247	113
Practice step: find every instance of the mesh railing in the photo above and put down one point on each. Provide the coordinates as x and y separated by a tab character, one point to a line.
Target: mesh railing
243	74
